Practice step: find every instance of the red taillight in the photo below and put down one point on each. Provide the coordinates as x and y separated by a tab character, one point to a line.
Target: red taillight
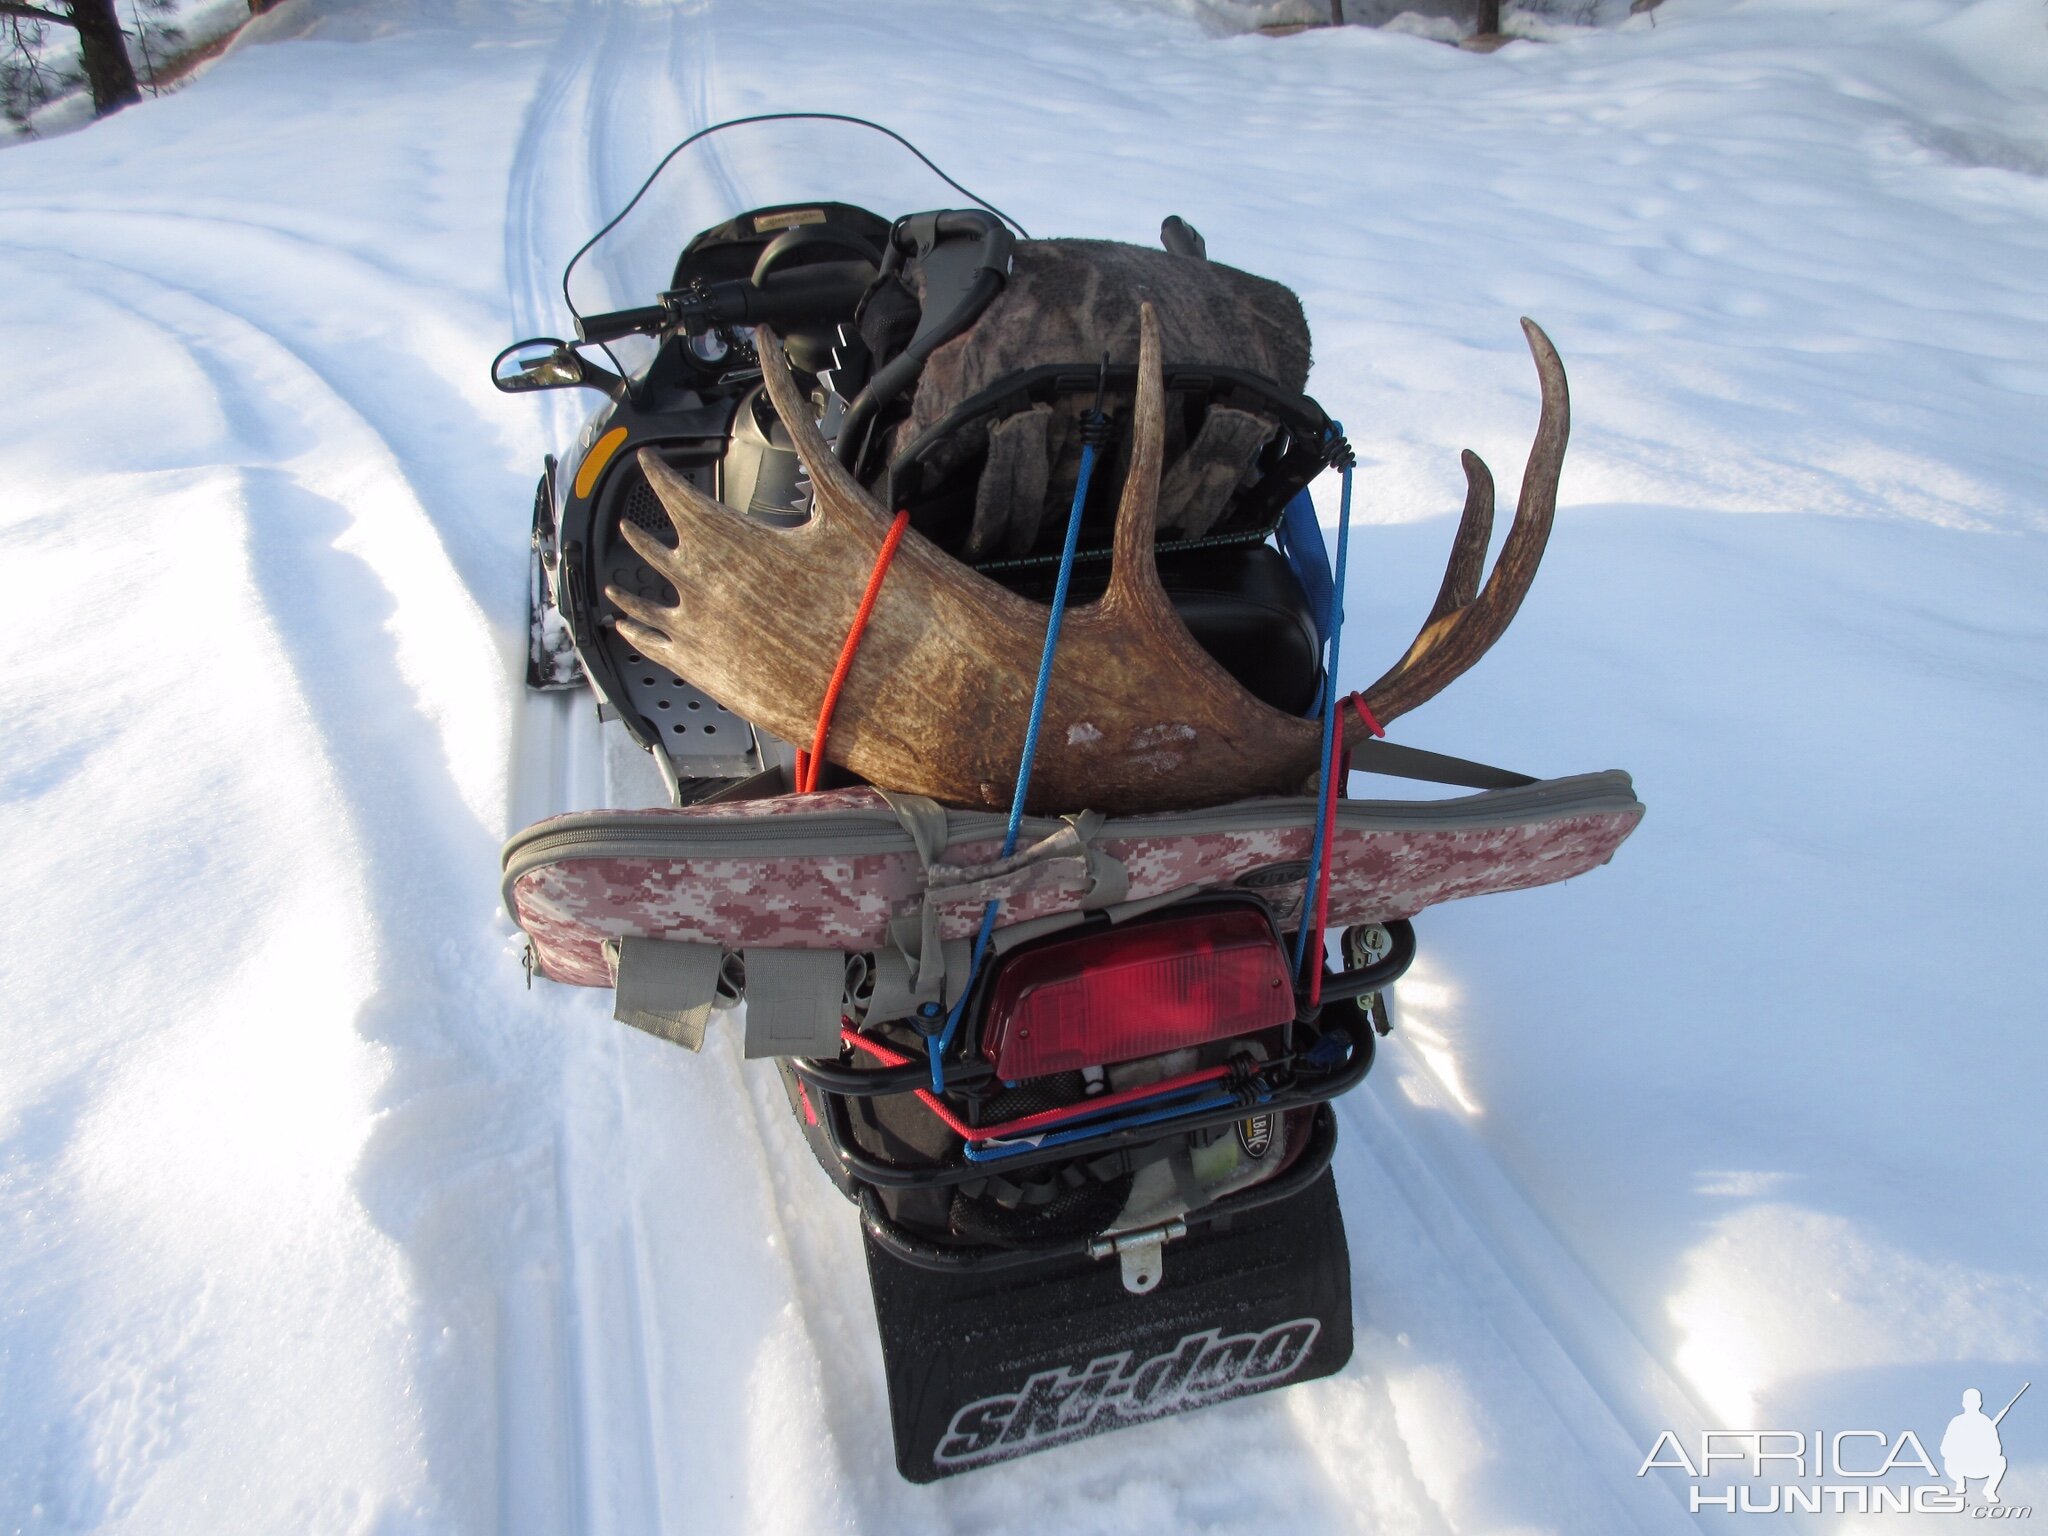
1153	985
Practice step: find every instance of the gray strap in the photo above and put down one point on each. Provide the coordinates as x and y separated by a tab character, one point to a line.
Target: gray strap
1010	498
895	994
1399	762
916	937
1108	881
924	819
1063	859
793	1001
919	969
1199	484
1051	862
665	987
915	954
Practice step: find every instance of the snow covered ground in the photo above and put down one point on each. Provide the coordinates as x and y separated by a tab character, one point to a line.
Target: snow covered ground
315	1220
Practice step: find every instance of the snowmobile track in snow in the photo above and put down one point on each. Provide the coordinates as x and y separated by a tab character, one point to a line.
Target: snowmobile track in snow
289	1158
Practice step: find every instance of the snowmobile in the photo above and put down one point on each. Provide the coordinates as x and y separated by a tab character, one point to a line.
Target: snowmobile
1075	1071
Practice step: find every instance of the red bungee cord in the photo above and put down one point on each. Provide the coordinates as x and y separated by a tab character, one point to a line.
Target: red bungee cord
809	764
1026	1123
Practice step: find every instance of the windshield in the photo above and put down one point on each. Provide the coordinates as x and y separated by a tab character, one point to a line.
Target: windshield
736	167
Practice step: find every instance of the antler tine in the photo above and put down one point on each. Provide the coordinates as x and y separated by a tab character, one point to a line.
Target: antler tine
834	490
691	514
681	500
1462	628
1468	550
1461	574
1134	575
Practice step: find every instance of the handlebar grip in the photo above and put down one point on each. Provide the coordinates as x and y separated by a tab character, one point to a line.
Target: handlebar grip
831	297
610	326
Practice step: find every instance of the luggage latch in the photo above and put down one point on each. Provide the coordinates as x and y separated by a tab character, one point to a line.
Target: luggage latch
1140	1253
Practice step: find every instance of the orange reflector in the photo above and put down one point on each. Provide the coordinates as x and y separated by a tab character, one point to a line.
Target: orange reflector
594	461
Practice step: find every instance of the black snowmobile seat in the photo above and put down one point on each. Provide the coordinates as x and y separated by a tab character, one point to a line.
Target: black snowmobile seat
1243	605
1245	608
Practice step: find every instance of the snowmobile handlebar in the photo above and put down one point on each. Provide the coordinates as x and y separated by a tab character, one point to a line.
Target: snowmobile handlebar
827	291
616	323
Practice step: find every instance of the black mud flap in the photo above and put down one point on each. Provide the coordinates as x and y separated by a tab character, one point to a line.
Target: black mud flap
988	1365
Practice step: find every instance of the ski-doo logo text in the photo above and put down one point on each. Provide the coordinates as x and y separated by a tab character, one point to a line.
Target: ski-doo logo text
1108	1392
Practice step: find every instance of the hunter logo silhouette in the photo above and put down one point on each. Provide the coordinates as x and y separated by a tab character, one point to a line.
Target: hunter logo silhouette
1849	1471
1970	1447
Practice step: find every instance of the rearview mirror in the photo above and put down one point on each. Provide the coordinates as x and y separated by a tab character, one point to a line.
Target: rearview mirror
542	363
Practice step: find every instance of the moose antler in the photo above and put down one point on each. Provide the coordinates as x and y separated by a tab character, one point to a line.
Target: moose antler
1138	718
1465	621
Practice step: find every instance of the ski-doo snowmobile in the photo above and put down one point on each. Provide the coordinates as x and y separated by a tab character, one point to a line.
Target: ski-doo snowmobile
1076	1070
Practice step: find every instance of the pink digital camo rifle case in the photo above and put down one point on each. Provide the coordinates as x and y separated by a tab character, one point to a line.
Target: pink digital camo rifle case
797	886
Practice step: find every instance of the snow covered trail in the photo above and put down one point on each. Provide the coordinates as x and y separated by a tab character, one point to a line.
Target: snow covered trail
288	1157
273	1217
687	1416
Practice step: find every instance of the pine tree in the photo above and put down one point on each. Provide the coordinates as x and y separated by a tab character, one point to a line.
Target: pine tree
26	80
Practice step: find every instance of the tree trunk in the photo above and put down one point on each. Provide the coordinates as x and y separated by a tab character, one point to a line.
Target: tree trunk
1489	17
104	54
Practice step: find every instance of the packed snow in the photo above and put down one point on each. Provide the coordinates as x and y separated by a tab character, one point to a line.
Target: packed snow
315	1219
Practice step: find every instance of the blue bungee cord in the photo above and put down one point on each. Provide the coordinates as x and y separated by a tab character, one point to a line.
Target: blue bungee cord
992	1152
1342	457
1094	429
